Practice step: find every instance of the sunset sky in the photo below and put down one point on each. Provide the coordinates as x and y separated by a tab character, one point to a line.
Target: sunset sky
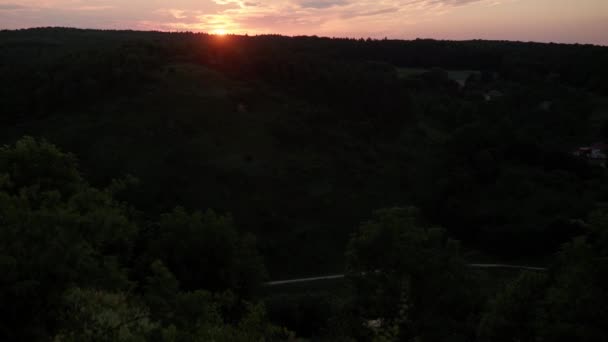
583	21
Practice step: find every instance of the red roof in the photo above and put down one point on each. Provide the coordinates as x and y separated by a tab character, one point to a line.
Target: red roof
600	146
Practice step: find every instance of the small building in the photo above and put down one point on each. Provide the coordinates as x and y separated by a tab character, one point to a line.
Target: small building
493	95
596	153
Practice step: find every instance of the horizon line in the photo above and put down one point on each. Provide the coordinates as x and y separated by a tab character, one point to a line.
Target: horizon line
387	38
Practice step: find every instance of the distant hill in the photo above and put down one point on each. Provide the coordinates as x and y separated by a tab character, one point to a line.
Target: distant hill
302	138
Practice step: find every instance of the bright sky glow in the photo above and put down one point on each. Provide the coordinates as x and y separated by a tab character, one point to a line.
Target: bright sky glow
582	21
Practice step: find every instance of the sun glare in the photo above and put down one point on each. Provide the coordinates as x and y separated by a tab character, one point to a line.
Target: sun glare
220	32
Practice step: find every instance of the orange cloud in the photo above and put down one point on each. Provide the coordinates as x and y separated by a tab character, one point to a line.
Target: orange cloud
455	19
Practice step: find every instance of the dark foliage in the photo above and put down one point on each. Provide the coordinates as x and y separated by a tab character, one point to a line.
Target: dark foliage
299	138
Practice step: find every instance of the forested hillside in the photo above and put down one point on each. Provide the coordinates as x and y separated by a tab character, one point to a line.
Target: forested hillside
152	182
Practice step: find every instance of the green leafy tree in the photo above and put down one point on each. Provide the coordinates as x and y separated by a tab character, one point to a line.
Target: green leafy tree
396	255
66	249
202	316
56	232
99	316
513	314
567	304
576	303
38	165
205	251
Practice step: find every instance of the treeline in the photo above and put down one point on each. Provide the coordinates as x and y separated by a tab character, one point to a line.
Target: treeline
50	67
577	65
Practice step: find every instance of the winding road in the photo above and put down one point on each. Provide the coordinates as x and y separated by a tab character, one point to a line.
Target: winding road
340	276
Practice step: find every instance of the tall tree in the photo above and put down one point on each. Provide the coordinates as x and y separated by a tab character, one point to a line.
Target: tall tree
411	277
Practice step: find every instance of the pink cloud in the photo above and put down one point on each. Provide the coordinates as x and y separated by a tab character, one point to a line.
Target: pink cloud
456	19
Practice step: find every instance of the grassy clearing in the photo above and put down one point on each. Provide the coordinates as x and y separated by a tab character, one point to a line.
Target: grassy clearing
459	76
410	72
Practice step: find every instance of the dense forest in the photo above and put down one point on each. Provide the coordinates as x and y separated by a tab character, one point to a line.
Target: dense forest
152	183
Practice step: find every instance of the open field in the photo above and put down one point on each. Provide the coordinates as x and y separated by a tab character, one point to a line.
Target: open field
459	76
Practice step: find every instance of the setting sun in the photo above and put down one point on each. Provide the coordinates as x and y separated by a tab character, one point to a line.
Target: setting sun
220	32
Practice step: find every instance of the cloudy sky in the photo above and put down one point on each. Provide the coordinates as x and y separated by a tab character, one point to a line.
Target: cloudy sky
583	21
